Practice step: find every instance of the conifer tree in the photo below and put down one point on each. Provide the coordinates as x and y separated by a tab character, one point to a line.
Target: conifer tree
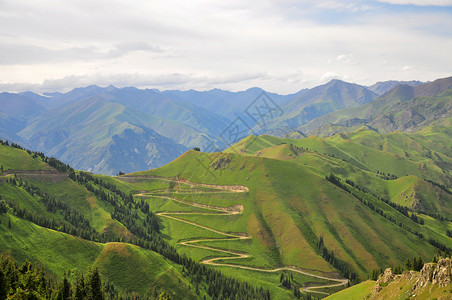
94	285
79	288
66	288
2	285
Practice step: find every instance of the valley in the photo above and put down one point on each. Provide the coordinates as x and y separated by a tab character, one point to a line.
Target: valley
282	216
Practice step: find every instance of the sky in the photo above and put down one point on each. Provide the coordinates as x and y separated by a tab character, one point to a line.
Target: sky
281	46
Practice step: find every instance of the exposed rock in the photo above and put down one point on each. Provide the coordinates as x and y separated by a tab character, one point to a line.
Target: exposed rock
426	276
407	275
436	273
443	272
433	278
386	277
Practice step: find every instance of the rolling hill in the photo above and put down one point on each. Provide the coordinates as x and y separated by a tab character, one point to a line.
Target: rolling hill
294	216
389	198
71	221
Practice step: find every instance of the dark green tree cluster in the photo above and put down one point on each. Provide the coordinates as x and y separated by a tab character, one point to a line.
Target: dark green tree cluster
222	287
29	281
415	218
3	206
441	186
286	281
125	207
403	210
75	218
335	262
13	145
376	273
387	176
51	223
60	166
416	264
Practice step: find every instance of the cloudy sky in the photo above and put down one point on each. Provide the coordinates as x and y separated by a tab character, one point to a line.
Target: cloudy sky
281	46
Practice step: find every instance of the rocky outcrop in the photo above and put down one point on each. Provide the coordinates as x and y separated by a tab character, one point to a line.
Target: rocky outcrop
386	277
425	276
442	275
428	280
436	273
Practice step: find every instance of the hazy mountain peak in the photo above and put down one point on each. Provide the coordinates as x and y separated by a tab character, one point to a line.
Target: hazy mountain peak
383	87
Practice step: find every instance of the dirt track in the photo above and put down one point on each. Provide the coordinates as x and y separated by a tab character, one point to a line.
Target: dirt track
233	210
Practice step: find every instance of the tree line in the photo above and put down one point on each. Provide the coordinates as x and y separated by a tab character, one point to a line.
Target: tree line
336	263
128	211
29	281
78	225
337	181
414	264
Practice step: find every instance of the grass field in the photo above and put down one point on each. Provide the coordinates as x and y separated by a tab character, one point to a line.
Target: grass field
128	267
262	205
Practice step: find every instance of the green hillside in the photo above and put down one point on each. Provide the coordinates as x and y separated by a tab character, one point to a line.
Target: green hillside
71	221
411	284
295	216
409	169
288	207
127	267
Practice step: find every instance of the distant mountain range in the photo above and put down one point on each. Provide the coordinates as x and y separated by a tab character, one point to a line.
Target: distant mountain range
107	130
403	108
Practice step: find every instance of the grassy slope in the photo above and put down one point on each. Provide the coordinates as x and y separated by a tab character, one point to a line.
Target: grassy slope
60	187
127	266
400	288
425	155
290	203
359	291
289	206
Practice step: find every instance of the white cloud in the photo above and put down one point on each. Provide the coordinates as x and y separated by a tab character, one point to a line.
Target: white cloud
28	54
345	58
281	46
164	81
330	75
420	2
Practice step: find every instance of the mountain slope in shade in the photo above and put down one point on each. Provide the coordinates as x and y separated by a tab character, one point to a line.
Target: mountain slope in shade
382	87
92	133
20	107
316	102
156	104
402	108
229	104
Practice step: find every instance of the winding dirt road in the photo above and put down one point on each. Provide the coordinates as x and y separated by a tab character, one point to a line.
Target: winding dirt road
224	211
